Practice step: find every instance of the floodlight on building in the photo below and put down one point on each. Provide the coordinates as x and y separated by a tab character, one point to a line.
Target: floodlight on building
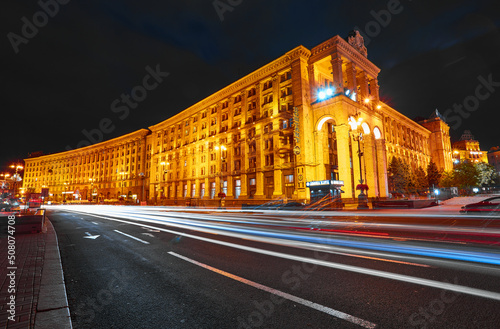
367	100
379	107
321	95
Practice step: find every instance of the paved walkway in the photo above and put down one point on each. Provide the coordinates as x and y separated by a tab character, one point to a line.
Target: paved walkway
38	285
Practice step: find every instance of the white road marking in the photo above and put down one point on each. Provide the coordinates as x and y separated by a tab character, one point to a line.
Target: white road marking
149	234
305	302
350	268
95	223
90	236
132	237
150	230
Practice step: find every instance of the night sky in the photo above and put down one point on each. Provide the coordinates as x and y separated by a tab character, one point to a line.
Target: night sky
64	76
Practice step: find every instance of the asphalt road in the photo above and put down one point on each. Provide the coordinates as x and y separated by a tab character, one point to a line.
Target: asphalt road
122	272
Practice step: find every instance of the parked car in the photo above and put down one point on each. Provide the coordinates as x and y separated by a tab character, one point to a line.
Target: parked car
487	205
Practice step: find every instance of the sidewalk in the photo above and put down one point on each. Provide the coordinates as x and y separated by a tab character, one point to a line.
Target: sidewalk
40	295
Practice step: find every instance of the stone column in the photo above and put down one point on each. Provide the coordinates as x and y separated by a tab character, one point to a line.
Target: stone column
374	88
197	188
382	167
278	185
207	188
230	188
312	83
363	85
259	193
244	187
319	160
343	159
370	165
338	80
351	77
260	162
355	161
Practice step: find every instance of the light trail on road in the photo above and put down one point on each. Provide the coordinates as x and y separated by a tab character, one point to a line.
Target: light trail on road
378	273
211	224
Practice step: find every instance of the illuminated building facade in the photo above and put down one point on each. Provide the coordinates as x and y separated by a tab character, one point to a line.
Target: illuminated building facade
97	172
494	158
267	134
467	149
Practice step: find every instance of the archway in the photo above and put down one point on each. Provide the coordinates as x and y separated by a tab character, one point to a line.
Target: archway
326	148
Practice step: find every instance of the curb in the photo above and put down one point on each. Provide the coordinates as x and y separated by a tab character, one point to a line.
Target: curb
52	309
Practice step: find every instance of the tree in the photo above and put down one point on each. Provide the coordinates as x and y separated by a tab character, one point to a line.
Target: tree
421	182
433	175
396	176
486	173
447	179
466	175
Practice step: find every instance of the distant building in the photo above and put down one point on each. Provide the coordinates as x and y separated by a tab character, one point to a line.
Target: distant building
262	137
494	158
467	149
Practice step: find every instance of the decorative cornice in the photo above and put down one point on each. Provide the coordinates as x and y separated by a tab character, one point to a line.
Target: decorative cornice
94	148
338	44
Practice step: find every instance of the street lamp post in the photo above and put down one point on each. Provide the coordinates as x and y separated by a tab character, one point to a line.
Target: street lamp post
65	191
164	172
122	173
222	195
142	179
16	177
92	187
358	129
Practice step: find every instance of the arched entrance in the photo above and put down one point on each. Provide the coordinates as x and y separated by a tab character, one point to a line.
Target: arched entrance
327	151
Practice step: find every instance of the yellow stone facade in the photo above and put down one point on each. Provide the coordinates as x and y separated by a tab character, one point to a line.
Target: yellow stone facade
97	172
267	134
468	149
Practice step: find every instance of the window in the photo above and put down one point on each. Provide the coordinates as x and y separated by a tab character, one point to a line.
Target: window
286	92
252	162
252	181
269	144
269	159
268	98
286	76
286	107
268	128
252	105
251	92
289	178
267	85
237	99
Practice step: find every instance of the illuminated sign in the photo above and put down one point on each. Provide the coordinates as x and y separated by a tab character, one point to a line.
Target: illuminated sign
296	130
325	182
